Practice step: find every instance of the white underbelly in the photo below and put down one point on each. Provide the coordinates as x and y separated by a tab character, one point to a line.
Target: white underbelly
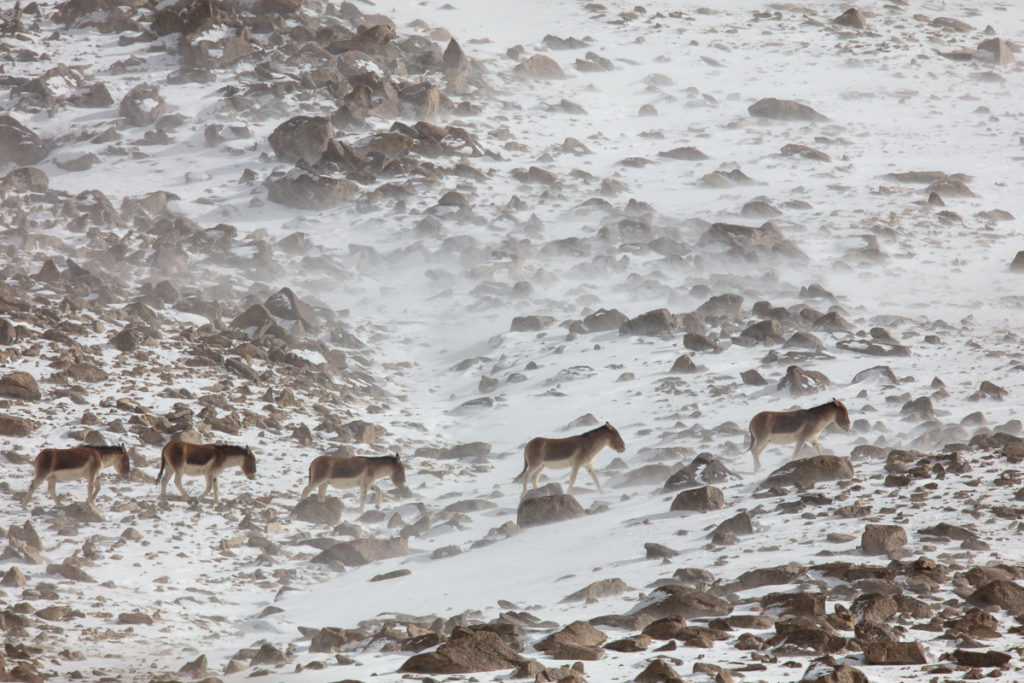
783	437
561	464
345	483
195	470
69	474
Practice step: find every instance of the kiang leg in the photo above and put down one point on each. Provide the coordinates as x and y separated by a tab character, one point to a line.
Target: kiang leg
380	495
216	490
535	477
177	482
572	477
756	449
31	489
306	491
814	442
210	481
362	498
51	484
593	475
94	486
321	494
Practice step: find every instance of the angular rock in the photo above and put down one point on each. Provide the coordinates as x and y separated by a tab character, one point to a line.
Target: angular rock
597	590
700	499
658	671
310	510
884	652
465	651
533	511
539	67
363	551
675	599
985	660
784	110
1000	594
995	50
806	472
852	17
18	144
143	105
657	322
882	539
11	425
305	189
20	385
302	138
800	382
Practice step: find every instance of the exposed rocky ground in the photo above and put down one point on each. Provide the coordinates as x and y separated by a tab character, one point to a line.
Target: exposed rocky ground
441	230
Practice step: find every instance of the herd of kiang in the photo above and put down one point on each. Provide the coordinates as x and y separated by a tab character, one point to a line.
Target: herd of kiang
179	458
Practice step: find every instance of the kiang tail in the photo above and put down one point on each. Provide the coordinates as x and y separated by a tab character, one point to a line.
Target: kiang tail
520	476
163	462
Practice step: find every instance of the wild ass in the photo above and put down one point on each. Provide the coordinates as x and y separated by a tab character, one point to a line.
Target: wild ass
208	460
66	464
573	451
800	426
353	472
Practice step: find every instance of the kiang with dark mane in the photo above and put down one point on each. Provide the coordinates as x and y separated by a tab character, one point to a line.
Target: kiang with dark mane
67	464
569	452
795	426
353	472
208	460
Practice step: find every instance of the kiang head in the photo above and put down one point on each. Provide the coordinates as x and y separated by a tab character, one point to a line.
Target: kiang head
616	441
249	464
124	463
398	471
842	415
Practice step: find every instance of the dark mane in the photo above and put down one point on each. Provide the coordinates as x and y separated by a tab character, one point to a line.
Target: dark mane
107	449
831	404
231	449
595	430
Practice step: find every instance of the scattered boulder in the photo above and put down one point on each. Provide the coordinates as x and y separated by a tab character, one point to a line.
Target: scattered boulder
658	671
1000	594
826	670
604	320
852	18
19	144
656	322
784	110
363	551
537	510
699	499
143	105
20	385
890	652
12	425
311	510
806	472
305	189
578	640
539	67
302	138
882	539
676	599
466	651
995	50
684	365
800	382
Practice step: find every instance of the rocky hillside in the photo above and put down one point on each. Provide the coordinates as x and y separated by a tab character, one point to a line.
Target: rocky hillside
444	229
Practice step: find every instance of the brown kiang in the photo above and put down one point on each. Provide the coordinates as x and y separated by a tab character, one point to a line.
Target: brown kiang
573	451
66	464
795	426
208	460
353	472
